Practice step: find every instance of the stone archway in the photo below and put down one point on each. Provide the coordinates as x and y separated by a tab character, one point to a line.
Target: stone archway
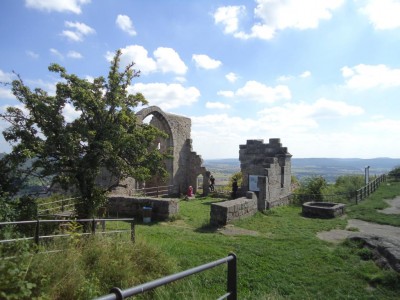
185	164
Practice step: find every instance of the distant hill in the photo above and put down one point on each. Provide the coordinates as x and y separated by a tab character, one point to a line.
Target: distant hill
329	168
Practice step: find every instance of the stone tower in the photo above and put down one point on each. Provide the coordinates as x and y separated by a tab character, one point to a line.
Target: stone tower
266	170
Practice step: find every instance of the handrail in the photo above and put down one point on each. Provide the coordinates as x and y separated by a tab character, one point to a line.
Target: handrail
231	289
154	190
93	222
56	201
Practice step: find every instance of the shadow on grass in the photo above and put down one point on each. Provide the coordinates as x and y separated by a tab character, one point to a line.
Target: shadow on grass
206	228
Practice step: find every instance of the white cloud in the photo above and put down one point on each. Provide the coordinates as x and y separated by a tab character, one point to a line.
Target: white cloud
180	79
382	126
166	96
285	78
56	53
70	113
301	117
80	30
305	74
49	87
323	108
5	90
138	55
217	105
6	77
229	17
32	54
6	93
125	24
74	54
206	62
73	6
168	60
260	31
277	15
383	14
227	94
231	77
370	76
259	92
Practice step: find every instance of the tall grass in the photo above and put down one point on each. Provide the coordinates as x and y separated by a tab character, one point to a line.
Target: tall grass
86	267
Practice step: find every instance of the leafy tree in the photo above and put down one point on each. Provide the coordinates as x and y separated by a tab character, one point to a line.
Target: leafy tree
105	137
311	189
238	176
348	184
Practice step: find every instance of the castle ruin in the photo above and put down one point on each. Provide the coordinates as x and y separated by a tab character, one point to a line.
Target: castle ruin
266	170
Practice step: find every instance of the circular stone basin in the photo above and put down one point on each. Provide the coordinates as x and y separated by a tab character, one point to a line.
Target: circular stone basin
322	209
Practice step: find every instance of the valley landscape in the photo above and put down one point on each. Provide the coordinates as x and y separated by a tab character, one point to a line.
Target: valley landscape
329	168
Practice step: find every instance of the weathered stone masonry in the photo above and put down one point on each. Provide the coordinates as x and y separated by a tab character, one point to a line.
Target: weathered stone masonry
162	208
272	164
224	212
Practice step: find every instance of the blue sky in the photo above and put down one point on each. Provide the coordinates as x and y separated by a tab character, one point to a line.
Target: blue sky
321	75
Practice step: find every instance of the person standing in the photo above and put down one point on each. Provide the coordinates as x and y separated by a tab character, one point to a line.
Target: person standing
234	188
212	182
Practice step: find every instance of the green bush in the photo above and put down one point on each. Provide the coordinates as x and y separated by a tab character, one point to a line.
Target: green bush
15	263
394	174
85	268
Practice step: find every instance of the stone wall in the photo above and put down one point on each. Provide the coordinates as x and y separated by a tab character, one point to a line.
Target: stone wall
272	164
224	212
123	206
185	164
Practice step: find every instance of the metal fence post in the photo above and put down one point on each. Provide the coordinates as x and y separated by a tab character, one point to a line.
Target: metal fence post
93	226
133	235
232	278
37	232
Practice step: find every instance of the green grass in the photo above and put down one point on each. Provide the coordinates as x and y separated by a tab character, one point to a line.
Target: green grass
367	209
284	261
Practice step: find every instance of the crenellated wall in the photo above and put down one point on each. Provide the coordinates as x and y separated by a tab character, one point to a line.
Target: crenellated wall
271	164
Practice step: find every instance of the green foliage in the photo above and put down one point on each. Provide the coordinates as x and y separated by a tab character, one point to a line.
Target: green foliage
105	137
238	176
85	269
395	173
348	184
311	189
15	264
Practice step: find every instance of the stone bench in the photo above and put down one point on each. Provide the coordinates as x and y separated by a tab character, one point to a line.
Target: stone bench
224	212
127	206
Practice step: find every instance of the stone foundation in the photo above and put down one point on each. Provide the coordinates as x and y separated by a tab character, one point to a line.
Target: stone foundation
225	212
162	208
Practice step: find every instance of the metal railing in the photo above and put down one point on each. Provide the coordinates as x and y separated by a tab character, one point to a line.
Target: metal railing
92	228
156	191
231	288
53	207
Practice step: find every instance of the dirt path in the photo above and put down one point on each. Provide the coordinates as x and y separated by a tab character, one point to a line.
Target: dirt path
337	236
394	207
